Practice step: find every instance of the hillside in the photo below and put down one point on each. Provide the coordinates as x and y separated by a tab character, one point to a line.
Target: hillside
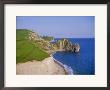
27	49
31	46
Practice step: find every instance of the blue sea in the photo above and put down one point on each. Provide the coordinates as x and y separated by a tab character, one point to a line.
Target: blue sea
82	63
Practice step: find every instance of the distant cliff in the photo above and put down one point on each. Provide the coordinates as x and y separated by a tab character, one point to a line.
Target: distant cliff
60	45
66	45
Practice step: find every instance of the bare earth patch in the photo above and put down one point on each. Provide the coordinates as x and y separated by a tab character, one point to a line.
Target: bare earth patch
45	67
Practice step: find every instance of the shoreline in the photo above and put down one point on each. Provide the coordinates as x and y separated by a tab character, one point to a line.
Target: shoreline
48	66
67	69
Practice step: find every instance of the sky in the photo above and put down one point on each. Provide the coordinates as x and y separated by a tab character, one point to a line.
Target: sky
59	26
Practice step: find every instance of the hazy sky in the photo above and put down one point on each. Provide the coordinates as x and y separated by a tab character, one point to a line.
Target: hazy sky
59	26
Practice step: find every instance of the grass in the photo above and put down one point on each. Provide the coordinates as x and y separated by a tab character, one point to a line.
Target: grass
27	50
22	34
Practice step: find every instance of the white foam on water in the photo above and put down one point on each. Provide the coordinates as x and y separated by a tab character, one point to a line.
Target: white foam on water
68	69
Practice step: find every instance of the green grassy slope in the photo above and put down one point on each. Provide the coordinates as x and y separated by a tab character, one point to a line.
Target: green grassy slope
27	50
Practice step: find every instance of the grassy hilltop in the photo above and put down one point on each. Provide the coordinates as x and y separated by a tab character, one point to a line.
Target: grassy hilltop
26	49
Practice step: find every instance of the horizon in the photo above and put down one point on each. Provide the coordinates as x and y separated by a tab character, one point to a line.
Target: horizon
59	26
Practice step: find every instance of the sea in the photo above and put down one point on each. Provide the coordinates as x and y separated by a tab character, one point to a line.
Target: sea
83	62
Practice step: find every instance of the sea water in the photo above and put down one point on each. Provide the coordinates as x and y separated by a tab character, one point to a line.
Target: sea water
82	63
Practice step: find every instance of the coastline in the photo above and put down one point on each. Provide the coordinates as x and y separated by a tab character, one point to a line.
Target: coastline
67	69
48	66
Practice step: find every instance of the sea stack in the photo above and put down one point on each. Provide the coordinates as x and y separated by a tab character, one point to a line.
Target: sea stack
77	48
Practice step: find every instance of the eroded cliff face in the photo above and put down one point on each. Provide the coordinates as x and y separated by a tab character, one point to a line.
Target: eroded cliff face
33	36
66	45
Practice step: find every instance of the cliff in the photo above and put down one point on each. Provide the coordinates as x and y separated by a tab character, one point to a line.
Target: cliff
66	45
60	45
45	44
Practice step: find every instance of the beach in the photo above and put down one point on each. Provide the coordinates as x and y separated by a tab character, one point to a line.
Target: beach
45	67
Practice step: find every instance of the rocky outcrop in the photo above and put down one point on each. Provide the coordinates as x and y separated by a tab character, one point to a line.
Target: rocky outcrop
66	45
33	36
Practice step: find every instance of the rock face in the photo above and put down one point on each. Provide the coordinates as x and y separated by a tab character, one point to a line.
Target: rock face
66	45
33	36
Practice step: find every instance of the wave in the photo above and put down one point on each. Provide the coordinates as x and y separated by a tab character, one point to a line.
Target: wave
68	69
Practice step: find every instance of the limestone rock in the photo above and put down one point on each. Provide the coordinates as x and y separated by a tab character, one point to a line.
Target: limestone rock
66	45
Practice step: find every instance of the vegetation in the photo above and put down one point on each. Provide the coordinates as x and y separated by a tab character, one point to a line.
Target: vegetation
22	34
26	49
29	46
